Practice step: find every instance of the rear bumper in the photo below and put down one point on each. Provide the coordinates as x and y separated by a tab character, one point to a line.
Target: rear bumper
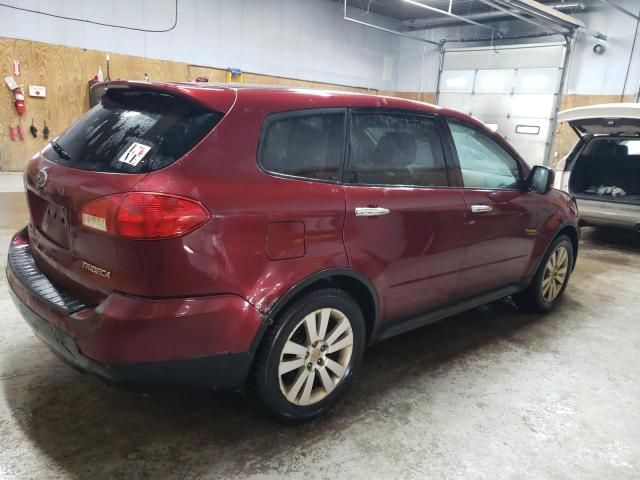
202	341
595	212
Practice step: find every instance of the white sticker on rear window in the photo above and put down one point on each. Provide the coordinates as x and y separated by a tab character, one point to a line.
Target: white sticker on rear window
134	154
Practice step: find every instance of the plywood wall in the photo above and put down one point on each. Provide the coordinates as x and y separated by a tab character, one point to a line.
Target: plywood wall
65	71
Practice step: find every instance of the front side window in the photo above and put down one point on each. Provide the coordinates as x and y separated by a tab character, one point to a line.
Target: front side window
483	162
304	145
395	149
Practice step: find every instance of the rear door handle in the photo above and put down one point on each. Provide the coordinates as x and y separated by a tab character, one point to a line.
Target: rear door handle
481	208
371	211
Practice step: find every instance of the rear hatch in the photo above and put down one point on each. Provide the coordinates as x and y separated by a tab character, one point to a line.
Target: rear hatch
135	130
606	119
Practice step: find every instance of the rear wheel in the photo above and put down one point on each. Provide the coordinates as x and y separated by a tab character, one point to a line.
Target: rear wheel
307	360
551	279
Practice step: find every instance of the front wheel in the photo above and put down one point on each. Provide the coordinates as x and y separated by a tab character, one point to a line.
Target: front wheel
308	357
550	281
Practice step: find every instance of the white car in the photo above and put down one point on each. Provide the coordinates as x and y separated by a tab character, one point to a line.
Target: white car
602	171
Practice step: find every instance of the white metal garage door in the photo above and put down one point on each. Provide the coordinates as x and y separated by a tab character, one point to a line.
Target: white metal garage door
514	87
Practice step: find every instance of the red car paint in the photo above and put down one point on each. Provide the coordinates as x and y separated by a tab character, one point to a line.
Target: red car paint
209	291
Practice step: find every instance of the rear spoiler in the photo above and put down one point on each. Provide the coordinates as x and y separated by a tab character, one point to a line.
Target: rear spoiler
213	97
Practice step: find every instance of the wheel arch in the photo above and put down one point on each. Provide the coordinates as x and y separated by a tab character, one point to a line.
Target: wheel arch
347	279
573	233
570	230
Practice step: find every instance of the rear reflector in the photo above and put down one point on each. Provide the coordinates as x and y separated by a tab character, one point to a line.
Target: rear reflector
97	223
143	215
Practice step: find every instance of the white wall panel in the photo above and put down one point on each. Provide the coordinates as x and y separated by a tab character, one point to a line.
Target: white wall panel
305	39
592	74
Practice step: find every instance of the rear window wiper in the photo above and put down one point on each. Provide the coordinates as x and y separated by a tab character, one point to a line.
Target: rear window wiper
59	150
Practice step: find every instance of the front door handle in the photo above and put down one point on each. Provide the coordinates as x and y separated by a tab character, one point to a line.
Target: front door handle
371	211
481	208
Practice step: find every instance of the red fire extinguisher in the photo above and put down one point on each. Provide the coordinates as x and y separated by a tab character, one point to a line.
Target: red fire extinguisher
19	100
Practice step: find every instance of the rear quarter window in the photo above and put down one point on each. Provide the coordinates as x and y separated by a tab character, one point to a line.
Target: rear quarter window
133	131
304	144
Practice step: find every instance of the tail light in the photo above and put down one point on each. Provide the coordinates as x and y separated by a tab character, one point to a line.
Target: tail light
143	215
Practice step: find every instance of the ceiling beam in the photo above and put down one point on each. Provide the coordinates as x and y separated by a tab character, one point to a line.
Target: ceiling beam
620	9
388	30
452	15
499	13
540	10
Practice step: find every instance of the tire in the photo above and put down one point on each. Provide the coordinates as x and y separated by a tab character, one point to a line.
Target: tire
545	290
288	396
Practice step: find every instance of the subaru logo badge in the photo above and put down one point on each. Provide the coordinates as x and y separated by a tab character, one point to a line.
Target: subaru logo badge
41	178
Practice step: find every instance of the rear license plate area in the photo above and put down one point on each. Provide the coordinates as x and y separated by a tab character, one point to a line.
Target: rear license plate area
51	219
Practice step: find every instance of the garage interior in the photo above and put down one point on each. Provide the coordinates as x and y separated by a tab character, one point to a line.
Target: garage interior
491	393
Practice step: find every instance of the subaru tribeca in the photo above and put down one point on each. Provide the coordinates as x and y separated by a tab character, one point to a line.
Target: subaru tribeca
252	238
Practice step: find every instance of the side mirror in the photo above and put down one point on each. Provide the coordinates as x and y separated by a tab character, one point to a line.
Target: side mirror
540	179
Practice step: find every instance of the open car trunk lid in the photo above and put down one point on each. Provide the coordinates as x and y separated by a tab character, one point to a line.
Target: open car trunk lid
605	119
133	131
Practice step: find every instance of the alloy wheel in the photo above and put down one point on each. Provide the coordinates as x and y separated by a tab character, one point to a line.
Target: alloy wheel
316	356
555	274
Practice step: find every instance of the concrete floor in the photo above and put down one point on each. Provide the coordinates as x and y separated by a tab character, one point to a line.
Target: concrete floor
493	393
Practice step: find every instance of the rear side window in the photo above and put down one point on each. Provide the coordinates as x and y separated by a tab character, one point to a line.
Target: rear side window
395	149
633	147
133	131
308	145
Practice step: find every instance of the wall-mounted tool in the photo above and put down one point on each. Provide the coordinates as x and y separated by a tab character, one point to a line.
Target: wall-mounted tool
33	129
19	100
45	131
234	75
16	68
16	132
18	96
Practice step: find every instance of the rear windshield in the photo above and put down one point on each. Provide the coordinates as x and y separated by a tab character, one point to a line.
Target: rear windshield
132	132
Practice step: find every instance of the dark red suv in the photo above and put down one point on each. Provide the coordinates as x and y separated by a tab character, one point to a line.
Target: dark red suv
254	237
